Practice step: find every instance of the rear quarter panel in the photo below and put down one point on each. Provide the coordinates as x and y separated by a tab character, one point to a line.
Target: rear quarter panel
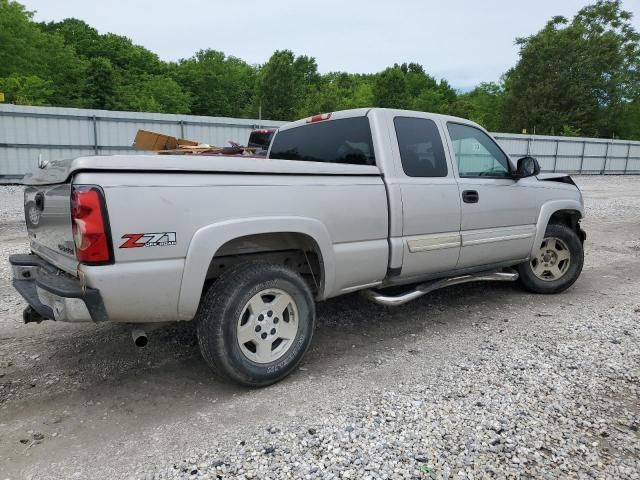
157	283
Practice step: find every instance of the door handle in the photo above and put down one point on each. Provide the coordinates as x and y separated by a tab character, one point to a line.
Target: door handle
470	196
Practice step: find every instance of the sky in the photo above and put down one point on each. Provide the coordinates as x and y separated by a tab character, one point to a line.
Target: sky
463	41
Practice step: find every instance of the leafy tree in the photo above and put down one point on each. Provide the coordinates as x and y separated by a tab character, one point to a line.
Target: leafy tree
19	38
153	93
218	85
120	74
100	84
120	51
578	76
391	89
442	99
431	100
361	95
630	121
26	89
581	73
409	86
569	131
28	51
339	91
284	83
417	79
486	105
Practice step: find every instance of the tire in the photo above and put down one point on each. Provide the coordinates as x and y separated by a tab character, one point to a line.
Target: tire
540	275
244	304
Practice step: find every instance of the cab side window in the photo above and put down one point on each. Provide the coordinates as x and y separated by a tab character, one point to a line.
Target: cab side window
421	150
476	153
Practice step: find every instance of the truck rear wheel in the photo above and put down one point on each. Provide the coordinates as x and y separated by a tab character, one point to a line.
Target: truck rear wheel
557	263
255	323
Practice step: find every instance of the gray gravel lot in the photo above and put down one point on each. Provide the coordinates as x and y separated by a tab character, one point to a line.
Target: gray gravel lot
476	381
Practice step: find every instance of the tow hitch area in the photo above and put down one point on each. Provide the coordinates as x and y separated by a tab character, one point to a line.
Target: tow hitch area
29	315
53	294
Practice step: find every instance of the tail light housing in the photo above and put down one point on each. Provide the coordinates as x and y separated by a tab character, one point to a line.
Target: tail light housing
90	224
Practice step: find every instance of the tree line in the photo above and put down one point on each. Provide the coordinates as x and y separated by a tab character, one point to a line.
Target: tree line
578	76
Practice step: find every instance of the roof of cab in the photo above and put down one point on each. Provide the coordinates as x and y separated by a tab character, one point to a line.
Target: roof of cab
355	112
361	112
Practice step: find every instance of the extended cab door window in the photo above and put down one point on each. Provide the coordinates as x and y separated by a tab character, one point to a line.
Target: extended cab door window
477	155
421	150
346	140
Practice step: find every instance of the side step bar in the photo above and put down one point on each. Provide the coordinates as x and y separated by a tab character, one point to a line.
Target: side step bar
424	288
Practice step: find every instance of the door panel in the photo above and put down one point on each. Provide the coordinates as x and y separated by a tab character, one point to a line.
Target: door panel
500	226
498	214
500	203
430	199
494	245
431	213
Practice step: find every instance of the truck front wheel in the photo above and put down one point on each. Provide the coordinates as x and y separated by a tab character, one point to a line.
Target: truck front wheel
557	263
255	323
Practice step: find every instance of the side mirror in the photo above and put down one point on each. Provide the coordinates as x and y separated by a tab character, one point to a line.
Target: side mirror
527	167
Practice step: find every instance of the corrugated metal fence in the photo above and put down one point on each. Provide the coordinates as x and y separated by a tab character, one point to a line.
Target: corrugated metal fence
26	133
575	154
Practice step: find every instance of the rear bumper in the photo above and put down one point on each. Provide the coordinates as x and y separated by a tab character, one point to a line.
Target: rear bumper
54	294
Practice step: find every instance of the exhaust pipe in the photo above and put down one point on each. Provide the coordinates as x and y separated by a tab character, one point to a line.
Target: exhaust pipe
139	337
424	288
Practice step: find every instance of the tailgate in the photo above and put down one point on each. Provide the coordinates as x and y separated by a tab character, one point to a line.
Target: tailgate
48	217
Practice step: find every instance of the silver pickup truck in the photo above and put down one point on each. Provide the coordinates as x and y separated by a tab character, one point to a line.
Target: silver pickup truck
357	200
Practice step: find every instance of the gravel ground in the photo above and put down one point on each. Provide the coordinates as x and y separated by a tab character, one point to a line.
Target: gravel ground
476	381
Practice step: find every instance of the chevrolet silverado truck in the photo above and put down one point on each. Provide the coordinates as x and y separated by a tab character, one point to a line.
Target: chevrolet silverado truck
358	200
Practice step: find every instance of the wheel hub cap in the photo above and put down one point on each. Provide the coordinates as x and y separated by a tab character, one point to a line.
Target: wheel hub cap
552	260
267	325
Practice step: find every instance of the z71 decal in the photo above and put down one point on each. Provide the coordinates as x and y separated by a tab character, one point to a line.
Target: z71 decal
135	240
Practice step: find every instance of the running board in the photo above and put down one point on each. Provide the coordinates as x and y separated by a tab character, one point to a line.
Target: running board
424	288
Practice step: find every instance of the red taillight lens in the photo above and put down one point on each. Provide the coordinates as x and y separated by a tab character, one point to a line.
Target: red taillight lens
90	225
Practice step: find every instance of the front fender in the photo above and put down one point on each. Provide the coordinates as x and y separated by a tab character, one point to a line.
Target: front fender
546	211
208	240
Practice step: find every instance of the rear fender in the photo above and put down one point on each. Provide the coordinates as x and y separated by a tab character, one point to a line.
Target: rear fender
208	240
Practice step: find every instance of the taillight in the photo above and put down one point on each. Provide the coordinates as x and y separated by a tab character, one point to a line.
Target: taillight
90	225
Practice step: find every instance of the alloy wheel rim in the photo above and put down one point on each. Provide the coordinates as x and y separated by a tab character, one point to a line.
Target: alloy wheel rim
267	326
552	260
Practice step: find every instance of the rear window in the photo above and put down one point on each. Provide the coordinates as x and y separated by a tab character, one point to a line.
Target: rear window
260	138
336	141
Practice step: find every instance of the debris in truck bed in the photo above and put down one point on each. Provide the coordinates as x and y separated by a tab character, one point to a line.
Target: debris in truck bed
167	145
234	149
146	140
